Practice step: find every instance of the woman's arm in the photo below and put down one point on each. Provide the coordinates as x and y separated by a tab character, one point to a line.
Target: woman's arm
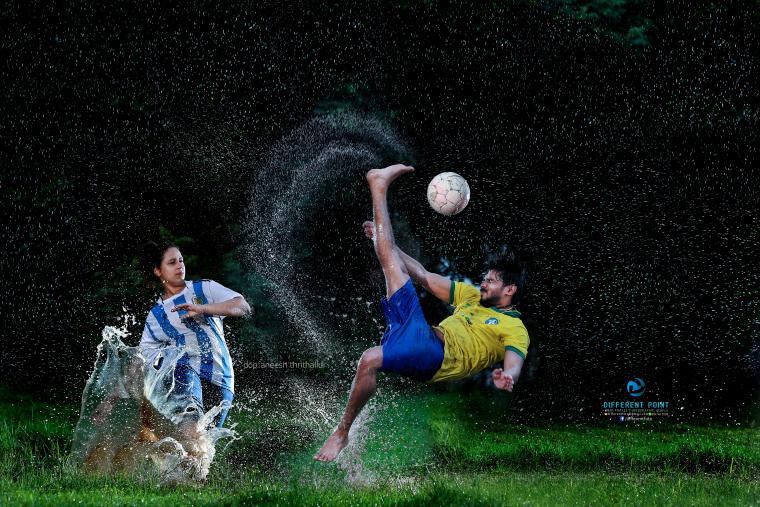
235	307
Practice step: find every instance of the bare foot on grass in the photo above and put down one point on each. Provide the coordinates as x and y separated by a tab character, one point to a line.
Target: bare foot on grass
332	447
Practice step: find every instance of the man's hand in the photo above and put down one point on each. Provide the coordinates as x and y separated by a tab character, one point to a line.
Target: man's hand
503	381
191	309
369	229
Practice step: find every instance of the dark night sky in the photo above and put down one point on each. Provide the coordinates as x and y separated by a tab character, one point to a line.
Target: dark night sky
624	172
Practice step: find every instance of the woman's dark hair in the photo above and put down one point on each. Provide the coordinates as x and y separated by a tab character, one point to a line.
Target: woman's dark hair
152	254
510	270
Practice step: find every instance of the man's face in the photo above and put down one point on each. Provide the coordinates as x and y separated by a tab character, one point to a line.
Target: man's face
493	291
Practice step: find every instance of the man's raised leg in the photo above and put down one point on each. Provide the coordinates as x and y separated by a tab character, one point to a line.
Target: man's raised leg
363	387
362	390
379	181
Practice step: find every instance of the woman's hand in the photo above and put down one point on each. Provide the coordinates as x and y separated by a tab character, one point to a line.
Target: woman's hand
191	309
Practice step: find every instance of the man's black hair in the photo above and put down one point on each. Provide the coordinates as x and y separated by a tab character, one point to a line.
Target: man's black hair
510	270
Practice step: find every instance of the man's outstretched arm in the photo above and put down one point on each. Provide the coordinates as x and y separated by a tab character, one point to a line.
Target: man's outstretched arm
506	378
437	285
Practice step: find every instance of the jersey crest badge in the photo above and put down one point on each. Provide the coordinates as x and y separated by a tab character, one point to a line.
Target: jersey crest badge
492	321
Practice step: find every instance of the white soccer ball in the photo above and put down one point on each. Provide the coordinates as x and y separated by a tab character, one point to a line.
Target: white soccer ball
448	193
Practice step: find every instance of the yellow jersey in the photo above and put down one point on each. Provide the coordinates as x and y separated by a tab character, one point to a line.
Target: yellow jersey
475	337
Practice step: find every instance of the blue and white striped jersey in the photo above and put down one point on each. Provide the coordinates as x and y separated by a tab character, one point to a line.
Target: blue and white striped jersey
202	336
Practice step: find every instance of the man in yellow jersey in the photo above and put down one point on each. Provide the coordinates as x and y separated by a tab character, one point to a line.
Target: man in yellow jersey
485	327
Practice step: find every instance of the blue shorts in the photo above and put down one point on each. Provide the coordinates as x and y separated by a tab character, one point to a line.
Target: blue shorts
410	347
188	383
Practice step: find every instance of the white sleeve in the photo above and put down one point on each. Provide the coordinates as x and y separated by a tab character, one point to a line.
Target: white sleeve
151	342
218	293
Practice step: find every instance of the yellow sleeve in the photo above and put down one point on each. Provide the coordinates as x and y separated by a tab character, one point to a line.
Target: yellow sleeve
516	339
463	293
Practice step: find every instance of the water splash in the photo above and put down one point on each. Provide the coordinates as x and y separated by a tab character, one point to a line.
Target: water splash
289	190
133	421
350	459
297	169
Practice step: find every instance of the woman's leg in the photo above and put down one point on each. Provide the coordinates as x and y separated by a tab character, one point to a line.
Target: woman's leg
216	395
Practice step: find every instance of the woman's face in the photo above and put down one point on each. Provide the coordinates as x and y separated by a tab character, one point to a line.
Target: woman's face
172	268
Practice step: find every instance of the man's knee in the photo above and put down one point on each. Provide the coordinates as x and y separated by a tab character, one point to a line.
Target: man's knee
372	359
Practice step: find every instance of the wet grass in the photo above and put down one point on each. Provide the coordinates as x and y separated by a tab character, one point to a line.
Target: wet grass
468	442
419	448
531	489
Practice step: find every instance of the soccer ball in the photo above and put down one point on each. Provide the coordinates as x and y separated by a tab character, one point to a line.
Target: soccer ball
448	193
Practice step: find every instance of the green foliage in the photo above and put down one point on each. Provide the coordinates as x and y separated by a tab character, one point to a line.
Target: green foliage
620	19
354	96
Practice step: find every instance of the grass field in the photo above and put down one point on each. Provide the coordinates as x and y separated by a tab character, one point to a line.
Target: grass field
424	448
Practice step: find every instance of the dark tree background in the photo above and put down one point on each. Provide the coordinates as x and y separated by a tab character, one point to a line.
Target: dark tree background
614	144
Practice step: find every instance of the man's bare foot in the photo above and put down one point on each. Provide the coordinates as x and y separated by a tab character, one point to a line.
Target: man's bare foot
332	447
382	178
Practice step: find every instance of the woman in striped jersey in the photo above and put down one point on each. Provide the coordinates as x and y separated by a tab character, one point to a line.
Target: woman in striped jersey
185	327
